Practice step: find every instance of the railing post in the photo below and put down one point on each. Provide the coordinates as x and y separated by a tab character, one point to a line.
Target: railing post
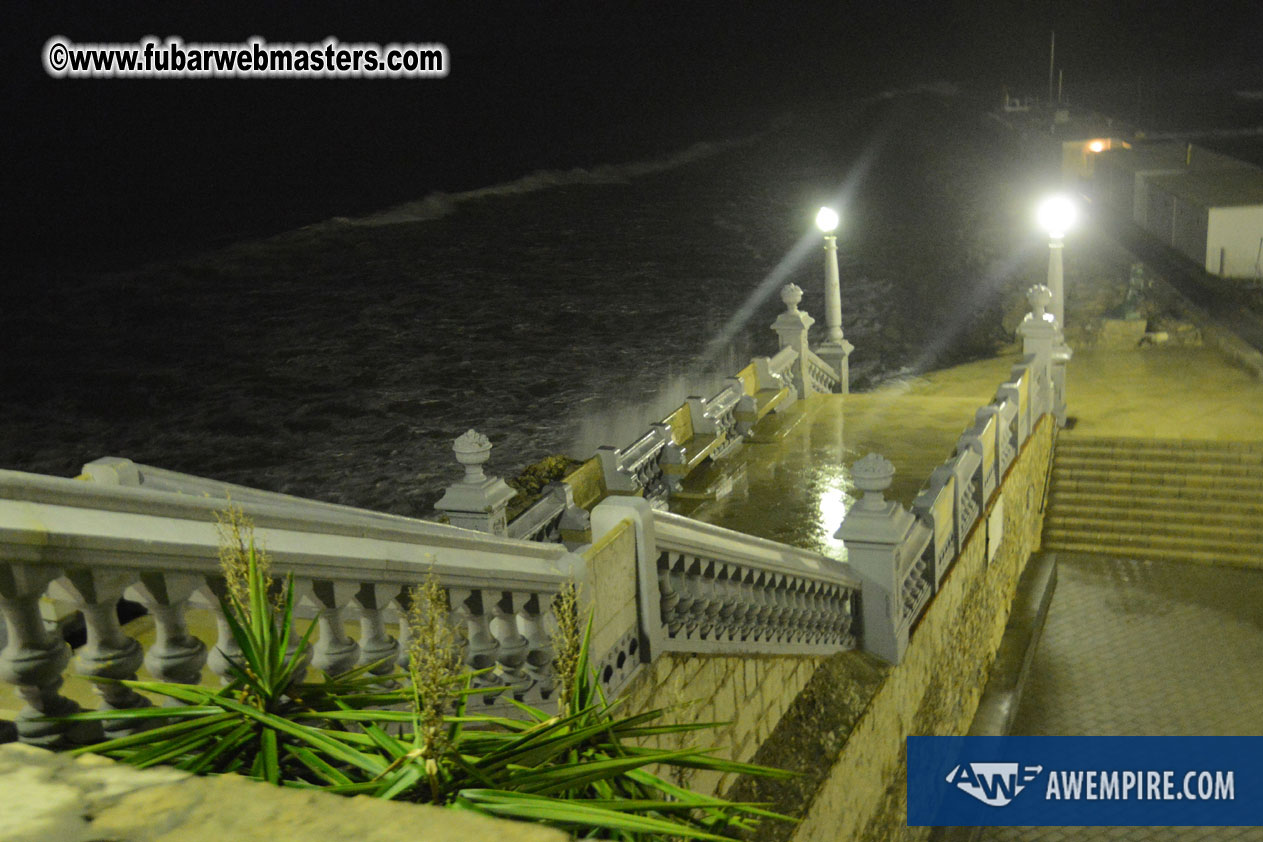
876	532
650	595
109	652
1042	336
791	330
477	501
33	660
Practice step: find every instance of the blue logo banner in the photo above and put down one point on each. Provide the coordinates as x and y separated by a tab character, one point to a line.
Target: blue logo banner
1051	781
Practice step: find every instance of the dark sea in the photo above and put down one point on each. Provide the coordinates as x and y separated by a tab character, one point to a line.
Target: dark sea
555	311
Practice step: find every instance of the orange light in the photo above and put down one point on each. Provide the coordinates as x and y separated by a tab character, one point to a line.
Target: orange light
1097	146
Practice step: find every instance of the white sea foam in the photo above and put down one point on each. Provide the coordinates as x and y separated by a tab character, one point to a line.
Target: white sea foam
438	205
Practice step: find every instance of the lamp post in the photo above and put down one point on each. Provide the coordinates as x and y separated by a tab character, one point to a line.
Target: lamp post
1056	214
835	350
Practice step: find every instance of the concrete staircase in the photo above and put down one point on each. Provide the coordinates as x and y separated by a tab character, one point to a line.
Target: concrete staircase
1177	500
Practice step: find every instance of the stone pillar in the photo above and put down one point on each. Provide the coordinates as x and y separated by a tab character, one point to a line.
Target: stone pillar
1041	335
835	350
477	501
791	330
33	660
877	532
1056	278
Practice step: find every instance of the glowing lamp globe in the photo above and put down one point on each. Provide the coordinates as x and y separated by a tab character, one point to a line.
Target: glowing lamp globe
827	220
1097	146
1056	214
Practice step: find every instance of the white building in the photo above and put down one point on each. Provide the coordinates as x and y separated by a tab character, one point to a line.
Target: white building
1216	218
1207	205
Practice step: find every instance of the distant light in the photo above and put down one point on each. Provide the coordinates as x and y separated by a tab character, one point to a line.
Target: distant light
1097	146
827	220
1056	214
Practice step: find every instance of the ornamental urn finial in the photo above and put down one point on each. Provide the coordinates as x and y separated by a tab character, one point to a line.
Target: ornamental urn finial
472	450
872	475
791	294
1039	297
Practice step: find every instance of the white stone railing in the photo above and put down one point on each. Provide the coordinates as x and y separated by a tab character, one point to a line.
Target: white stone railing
902	556
90	544
655	465
703	588
823	377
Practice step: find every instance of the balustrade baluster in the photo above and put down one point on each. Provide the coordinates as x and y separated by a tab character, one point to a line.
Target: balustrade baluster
376	646
726	596
401	603
33	660
175	656
539	656
779	618
108	653
225	647
334	651
711	597
471	607
669	592
693	588
513	647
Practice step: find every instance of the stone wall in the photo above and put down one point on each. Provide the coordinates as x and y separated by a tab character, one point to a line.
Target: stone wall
749	694
47	796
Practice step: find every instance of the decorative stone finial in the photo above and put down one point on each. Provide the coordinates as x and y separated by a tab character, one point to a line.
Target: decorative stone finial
472	450
1039	297
791	294
477	501
872	475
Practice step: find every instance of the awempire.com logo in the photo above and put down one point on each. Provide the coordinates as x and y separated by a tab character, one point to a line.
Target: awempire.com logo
1047	781
993	783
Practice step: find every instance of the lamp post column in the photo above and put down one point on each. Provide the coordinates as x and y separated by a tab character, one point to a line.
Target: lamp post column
835	350
1056	278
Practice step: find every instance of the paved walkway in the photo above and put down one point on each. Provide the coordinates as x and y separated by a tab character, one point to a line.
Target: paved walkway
1145	648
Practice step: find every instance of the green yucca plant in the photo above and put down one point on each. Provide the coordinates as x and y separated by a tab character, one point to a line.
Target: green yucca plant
579	770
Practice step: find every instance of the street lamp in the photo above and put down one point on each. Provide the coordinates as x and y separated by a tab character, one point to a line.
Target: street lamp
1056	214
835	350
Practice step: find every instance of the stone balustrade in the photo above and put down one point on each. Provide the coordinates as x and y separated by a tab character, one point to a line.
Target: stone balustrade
90	544
824	378
706	589
903	556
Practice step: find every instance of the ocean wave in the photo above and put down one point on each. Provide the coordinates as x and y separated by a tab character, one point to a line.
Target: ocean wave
438	205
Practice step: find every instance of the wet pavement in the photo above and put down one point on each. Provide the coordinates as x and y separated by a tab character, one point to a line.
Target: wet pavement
799	489
1134	647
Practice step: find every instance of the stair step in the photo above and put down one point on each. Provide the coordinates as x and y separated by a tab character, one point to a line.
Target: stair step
1194	464
1070	443
1152	554
1118	510
1157	529
1141	479
1165	542
1248	497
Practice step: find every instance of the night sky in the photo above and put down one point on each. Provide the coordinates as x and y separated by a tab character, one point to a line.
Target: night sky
101	174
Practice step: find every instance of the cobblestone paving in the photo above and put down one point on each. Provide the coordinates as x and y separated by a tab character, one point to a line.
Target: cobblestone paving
1145	648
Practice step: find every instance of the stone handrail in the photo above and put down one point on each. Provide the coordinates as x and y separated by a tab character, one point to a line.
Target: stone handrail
823	377
704	588
92	543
